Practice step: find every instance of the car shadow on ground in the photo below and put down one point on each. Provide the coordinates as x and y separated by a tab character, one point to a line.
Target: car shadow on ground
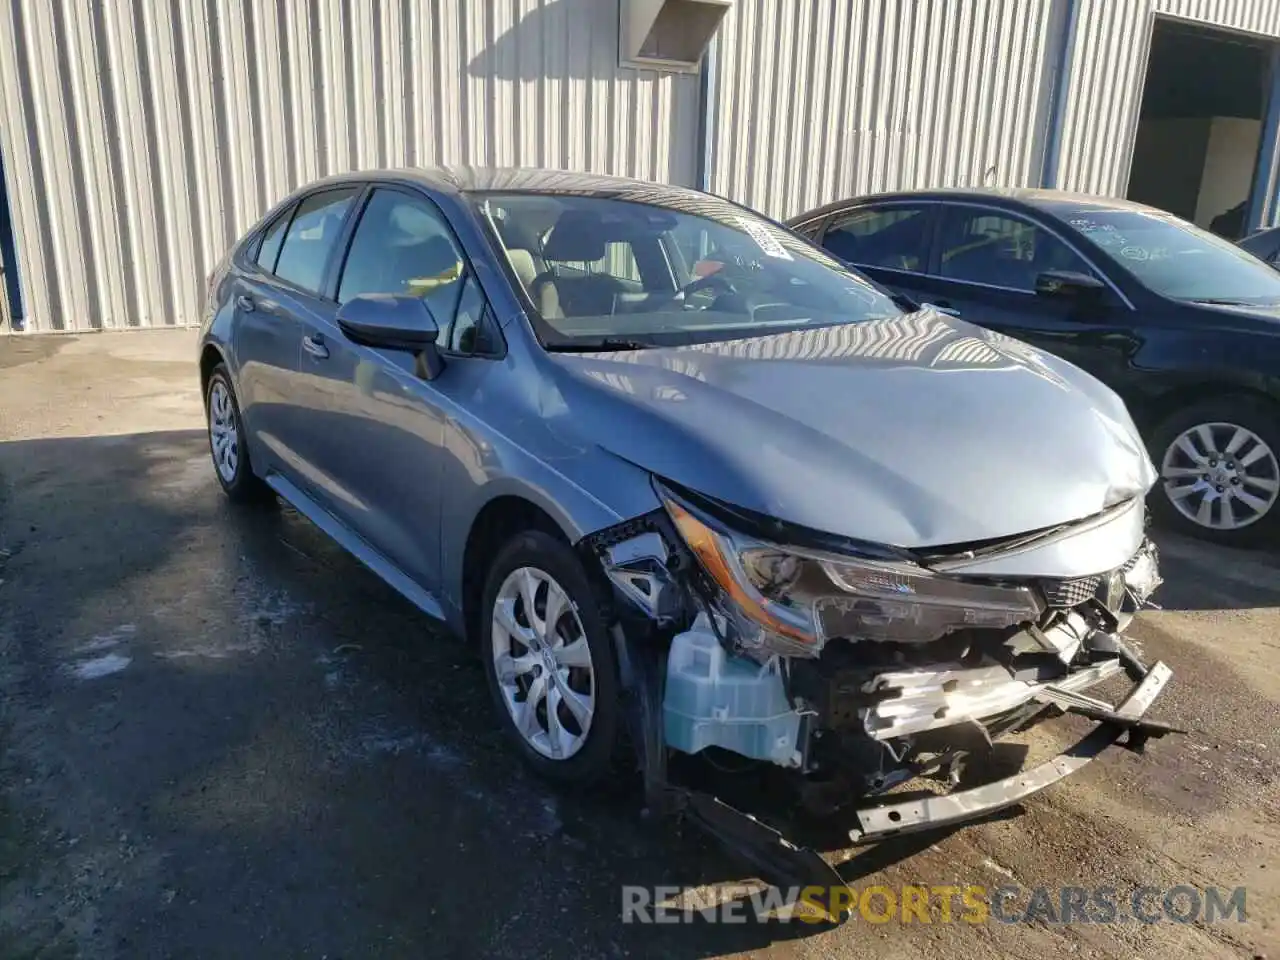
224	736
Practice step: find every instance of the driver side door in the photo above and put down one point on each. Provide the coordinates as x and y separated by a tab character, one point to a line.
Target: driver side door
375	441
983	268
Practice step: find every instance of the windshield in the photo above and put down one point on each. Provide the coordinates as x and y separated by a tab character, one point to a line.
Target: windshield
610	273
1177	259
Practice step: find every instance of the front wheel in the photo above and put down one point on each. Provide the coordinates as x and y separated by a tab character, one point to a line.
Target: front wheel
1219	471
549	661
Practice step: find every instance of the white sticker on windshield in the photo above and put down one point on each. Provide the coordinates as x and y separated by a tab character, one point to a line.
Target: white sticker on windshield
764	239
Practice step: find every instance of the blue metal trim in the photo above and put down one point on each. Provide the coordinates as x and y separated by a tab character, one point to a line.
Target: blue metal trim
706	116
1265	195
9	256
1058	97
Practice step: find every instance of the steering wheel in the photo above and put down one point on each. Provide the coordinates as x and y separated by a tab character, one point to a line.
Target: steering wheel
709	282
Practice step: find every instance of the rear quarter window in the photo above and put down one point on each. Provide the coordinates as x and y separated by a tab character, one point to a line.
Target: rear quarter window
272	239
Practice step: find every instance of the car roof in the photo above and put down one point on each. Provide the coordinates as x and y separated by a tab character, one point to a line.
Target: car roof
1057	202
473	179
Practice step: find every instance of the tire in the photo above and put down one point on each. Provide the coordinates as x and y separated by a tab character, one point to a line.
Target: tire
226	442
587	753
1241	466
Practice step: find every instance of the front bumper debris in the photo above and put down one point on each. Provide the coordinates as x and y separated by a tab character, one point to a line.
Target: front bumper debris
860	719
880	822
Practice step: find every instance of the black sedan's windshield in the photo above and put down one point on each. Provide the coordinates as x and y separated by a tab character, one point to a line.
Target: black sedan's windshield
1176	259
613	273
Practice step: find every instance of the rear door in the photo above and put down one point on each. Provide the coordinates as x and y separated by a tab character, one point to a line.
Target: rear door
274	311
265	343
984	266
889	242
374	439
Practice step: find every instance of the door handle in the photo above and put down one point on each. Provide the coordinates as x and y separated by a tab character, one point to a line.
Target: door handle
315	346
245	303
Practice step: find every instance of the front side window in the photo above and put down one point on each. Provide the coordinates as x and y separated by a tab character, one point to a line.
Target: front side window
896	236
978	245
666	271
1174	258
311	237
402	245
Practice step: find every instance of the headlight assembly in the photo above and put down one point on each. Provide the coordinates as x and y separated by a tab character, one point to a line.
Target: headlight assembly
791	601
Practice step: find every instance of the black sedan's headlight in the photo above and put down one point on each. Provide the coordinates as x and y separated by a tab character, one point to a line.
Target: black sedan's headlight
791	601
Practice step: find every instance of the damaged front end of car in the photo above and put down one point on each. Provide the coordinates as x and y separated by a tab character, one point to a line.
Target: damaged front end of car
858	667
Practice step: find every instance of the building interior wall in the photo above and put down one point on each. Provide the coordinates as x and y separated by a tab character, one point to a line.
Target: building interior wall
1170	157
1231	156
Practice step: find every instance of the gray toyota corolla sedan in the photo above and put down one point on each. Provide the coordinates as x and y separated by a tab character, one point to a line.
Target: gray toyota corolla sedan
690	486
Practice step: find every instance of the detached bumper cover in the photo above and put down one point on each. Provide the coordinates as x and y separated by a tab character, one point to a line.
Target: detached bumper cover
877	823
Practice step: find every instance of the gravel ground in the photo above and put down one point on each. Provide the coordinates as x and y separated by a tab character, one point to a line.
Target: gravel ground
222	737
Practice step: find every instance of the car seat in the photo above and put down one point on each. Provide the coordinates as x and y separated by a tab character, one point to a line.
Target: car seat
577	237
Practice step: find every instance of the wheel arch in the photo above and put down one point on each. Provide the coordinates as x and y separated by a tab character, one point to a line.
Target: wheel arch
1155	411
210	356
498	520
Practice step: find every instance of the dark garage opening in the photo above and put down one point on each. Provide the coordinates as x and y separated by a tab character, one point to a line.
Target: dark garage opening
1200	126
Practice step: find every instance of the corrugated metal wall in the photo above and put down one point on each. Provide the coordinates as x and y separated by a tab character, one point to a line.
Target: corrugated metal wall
1106	75
822	99
141	137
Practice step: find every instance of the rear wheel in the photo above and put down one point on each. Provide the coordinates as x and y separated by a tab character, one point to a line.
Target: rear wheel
227	442
549	660
1219	465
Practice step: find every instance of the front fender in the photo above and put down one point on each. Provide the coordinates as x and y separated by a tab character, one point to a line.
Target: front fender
582	494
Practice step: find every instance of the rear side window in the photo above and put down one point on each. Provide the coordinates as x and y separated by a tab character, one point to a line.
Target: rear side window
896	237
311	237
269	251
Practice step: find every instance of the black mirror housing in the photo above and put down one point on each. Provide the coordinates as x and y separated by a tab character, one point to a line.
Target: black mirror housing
393	322
1069	285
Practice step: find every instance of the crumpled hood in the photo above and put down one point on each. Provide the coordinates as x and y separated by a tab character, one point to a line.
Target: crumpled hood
912	431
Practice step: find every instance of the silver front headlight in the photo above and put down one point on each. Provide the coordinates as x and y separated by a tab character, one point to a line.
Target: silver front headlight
792	601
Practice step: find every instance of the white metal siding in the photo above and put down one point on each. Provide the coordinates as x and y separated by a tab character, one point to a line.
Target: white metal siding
822	99
1106	76
141	137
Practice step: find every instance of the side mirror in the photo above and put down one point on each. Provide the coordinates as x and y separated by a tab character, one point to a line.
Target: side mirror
393	322
1069	285
948	310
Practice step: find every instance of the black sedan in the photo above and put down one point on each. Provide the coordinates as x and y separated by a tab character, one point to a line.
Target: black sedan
1184	325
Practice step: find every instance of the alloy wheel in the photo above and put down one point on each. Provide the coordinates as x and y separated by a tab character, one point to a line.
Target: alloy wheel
543	663
224	438
1221	476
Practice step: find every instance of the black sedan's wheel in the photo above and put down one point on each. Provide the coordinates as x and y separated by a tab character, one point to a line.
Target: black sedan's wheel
549	659
227	442
1219	465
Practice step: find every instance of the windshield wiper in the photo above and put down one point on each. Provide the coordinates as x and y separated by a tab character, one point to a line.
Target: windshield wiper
1223	302
598	345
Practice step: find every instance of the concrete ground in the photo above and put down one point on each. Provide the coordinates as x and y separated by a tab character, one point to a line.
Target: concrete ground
222	737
